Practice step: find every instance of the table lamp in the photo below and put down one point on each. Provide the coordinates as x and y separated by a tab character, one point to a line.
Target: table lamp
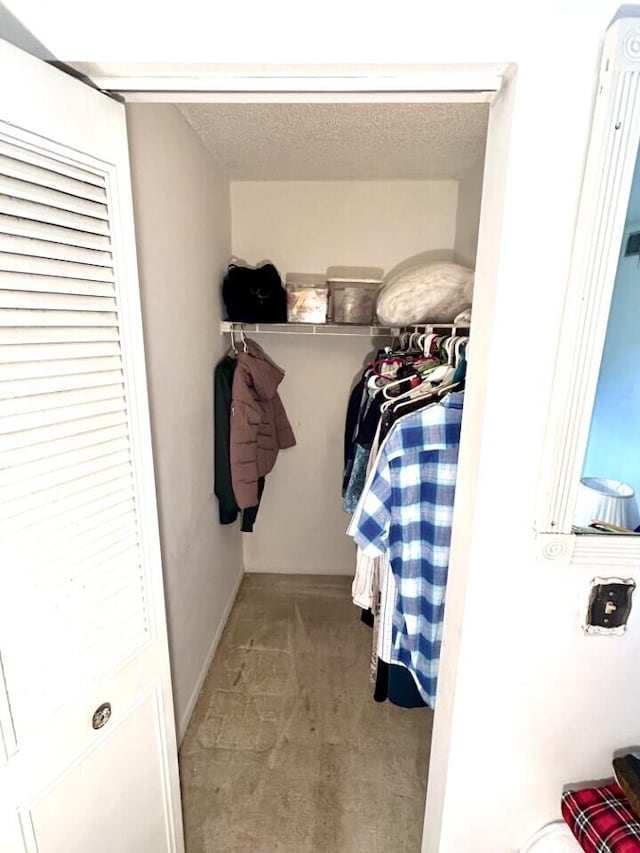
606	500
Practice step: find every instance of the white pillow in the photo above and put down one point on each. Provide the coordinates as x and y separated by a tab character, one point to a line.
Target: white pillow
425	293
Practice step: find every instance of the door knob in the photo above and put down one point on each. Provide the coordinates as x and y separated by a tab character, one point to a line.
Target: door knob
101	715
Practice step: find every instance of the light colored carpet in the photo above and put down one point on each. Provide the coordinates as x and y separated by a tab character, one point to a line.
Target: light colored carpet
287	752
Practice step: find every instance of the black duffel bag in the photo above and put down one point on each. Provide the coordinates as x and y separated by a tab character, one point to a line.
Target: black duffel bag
254	295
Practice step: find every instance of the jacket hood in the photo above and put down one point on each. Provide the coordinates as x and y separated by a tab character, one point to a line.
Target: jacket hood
265	374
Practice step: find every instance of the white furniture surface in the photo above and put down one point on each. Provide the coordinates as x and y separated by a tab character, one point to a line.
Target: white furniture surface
553	838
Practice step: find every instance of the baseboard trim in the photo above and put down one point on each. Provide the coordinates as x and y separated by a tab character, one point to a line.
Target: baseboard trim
191	704
321	569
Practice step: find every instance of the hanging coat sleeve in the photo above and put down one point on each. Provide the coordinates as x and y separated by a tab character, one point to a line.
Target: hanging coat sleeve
249	515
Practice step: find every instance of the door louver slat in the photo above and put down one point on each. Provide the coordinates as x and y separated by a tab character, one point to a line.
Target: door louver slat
48	266
65	479
39	467
91	567
60	492
11	389
89	515
36	352
51	335
58	399
59	367
58	507
51	197
87	547
18	245
27	155
63	415
17	227
47	214
12	167
58	318
60	446
54	284
33	437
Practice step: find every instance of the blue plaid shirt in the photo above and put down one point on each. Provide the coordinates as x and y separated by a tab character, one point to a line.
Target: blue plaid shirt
407	511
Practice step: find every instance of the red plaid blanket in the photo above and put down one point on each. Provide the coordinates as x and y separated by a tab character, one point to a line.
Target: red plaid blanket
601	819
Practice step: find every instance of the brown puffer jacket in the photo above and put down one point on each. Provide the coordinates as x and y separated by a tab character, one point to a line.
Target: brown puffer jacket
259	424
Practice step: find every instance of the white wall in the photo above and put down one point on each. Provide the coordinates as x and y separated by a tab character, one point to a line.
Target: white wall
527	703
181	203
468	216
306	226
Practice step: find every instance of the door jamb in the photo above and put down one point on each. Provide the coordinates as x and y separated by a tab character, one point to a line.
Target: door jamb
176	83
492	84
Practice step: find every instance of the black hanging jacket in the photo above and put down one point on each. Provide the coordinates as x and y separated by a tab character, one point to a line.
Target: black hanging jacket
227	506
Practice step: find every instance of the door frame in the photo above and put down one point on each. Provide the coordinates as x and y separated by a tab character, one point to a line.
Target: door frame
202	83
493	84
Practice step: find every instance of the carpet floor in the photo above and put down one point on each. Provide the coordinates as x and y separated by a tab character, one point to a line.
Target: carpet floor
286	751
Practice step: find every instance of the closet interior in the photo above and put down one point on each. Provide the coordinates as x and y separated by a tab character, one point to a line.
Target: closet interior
306	187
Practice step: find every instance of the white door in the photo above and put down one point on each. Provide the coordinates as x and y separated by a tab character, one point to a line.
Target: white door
88	760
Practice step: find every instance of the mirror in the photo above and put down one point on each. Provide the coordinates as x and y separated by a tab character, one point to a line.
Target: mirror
609	489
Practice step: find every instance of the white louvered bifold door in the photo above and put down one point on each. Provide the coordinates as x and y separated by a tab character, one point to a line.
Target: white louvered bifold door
67	495
81	610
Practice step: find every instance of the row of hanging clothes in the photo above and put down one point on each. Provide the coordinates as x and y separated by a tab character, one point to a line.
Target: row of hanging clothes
250	428
402	436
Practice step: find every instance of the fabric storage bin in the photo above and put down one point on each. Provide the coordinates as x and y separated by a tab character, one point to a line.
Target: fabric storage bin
353	294
307	298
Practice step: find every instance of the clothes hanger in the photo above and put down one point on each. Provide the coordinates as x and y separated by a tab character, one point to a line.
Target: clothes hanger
403	339
415	337
461	348
448	389
435	373
451	350
427	344
431	395
375	382
395	383
435	345
425	389
387	360
445	344
436	396
424	400
421	367
458	349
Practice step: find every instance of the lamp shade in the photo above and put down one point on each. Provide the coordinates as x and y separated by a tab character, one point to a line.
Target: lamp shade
606	500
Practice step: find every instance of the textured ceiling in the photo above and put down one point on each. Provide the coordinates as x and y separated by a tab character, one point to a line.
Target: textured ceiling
341	141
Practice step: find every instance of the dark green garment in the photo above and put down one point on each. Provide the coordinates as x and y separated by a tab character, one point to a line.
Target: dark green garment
227	506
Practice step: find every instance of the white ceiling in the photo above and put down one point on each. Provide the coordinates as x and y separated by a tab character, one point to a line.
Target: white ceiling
288	142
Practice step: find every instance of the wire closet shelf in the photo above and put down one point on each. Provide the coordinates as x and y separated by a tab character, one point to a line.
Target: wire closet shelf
333	329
